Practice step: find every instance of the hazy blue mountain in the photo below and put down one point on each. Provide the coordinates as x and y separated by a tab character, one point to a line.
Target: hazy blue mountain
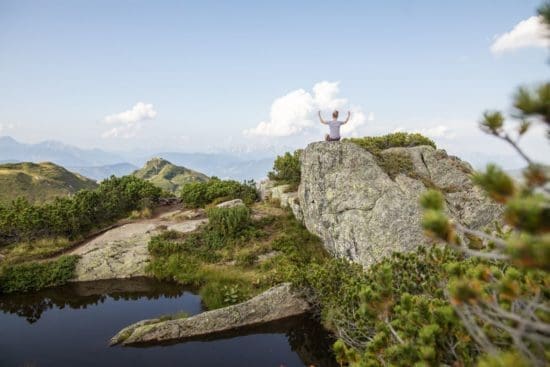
54	151
99	164
222	165
102	172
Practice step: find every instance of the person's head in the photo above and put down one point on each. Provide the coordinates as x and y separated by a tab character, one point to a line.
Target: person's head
335	114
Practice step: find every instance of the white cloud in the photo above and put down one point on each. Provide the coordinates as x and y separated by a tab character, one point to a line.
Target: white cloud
531	32
438	131
129	122
295	112
6	127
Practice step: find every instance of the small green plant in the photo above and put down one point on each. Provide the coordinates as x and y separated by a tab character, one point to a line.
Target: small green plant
231	294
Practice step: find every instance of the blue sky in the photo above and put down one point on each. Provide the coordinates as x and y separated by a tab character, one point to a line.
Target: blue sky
210	71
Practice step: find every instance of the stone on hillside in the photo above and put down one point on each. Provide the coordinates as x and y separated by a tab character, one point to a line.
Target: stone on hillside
287	199
230	203
361	213
277	303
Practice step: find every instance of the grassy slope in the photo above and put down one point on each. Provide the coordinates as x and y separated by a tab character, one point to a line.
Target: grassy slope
168	176
39	182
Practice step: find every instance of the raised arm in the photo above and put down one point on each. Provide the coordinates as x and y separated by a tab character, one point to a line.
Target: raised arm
347	119
321	118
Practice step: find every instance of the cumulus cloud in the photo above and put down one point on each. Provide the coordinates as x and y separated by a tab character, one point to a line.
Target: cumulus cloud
530	32
295	112
128	123
4	128
438	131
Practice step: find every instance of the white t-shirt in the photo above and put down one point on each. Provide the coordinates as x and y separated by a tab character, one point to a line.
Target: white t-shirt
335	129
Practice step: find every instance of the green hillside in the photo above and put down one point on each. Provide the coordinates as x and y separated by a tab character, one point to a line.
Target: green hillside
39	182
168	176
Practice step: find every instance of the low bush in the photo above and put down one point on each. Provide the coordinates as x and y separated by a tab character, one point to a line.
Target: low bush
199	194
229	221
375	144
35	276
287	169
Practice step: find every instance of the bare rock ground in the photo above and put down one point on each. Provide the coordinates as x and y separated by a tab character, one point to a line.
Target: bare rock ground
122	251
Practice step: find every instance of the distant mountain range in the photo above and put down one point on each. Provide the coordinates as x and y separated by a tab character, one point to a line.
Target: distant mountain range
53	151
168	176
99	164
39	182
99	173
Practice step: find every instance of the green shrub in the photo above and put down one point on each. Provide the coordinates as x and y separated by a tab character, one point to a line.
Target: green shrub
199	194
35	276
287	169
229	221
78	215
375	144
396	311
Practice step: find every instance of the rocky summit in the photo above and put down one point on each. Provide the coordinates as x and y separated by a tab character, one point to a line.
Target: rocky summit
365	206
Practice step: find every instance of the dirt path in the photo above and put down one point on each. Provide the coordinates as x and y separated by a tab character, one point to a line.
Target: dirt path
121	252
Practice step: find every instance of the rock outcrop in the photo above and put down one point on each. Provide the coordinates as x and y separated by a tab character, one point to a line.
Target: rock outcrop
361	213
277	303
287	198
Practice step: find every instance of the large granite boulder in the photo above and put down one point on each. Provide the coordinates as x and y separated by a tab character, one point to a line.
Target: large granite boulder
363	213
277	303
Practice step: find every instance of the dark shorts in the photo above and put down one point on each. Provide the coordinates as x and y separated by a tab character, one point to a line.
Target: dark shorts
328	138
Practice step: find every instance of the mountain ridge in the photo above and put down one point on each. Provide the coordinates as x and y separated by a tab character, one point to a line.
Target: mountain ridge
39	182
168	176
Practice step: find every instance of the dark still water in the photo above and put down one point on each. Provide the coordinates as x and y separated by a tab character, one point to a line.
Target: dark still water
71	326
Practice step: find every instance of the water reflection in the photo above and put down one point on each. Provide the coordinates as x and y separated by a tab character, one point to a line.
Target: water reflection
80	295
38	327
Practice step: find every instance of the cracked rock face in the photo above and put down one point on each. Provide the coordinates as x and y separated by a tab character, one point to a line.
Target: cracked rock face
362	214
